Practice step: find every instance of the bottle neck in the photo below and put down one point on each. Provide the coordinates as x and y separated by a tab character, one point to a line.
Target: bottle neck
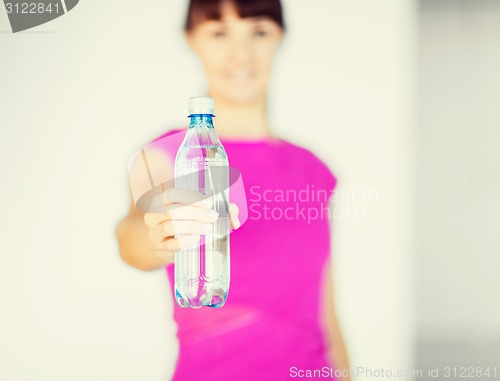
201	120
201	132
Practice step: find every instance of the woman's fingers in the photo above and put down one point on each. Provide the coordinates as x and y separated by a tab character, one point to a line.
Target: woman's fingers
233	215
180	212
177	244
186	197
171	227
181	220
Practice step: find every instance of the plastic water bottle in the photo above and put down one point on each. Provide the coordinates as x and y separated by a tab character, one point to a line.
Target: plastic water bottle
201	165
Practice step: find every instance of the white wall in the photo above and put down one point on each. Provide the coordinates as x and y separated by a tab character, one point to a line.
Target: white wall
82	93
368	131
459	170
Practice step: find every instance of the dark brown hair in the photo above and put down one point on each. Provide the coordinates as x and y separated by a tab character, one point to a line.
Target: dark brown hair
211	10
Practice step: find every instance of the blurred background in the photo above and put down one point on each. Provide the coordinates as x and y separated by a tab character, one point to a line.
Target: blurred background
458	260
399	97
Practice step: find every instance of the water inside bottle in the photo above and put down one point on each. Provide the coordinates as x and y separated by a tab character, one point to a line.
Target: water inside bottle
202	271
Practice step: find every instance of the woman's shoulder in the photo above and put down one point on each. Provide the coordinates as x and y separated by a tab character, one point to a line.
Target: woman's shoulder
304	151
315	163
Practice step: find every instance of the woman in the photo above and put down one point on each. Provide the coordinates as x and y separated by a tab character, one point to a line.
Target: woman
279	320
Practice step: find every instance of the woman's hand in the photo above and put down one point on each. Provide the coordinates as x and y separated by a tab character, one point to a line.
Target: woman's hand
185	213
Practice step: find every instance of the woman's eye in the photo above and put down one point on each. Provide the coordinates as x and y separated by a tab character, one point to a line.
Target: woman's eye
260	33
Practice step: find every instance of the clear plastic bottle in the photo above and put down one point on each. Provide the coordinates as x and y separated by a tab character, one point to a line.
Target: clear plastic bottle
202	271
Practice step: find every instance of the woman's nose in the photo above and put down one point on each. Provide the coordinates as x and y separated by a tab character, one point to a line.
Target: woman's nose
241	51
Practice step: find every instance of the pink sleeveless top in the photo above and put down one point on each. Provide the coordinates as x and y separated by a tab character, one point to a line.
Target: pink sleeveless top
269	328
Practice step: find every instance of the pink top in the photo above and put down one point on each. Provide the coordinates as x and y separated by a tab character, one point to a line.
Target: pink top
269	328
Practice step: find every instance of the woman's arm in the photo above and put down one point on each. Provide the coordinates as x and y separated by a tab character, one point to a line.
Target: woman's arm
135	245
335	342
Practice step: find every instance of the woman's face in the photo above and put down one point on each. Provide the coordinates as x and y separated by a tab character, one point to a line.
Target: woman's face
237	54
